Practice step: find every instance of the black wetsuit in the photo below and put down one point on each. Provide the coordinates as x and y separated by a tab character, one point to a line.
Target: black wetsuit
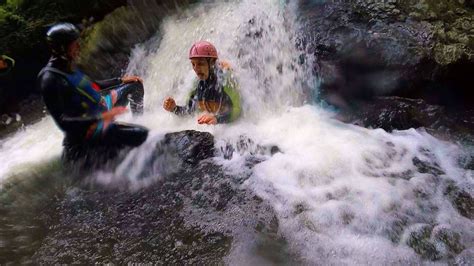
77	109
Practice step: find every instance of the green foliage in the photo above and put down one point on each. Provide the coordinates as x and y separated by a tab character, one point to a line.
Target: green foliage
14	4
23	22
3	14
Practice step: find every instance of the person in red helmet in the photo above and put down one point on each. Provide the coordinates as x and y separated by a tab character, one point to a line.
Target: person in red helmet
215	94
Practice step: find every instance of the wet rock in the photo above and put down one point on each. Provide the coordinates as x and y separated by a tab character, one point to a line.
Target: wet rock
245	146
106	50
192	216
417	237
450	238
391	113
176	150
190	146
468	162
130	228
465	258
406	48
397	113
427	167
395	230
461	200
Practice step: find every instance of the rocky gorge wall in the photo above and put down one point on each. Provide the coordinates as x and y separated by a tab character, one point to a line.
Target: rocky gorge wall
416	49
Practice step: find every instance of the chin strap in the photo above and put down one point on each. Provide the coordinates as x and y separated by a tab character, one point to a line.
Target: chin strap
211	70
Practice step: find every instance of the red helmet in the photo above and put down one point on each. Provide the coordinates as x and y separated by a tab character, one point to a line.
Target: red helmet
203	49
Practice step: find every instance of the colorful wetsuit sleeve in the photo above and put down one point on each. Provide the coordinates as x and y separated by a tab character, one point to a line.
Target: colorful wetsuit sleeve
107	83
189	108
231	97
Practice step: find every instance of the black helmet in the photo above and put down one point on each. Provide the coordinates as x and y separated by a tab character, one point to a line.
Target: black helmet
59	37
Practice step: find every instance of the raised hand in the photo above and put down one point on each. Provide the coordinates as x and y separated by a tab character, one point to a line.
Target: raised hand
130	79
169	104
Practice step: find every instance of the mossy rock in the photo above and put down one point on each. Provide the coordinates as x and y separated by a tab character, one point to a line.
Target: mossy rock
409	48
460	199
449	237
417	237
106	45
465	258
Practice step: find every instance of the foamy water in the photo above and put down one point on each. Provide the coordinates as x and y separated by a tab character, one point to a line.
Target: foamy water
33	145
342	193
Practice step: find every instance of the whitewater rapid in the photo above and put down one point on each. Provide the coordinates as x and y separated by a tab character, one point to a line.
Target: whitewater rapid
340	191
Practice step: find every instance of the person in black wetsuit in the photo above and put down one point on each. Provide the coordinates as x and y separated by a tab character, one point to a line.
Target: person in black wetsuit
85	109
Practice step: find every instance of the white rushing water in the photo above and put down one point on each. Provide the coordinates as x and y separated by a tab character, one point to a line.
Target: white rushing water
341	192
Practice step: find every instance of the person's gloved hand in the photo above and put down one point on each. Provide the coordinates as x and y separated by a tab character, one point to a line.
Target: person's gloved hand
110	115
209	119
130	79
169	104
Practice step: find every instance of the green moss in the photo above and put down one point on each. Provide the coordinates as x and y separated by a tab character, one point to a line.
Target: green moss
14	4
105	34
3	14
106	45
110	40
447	54
452	24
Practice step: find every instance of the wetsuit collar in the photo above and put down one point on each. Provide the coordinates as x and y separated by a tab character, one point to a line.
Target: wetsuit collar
61	63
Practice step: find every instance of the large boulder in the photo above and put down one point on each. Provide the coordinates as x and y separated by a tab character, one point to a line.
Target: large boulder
107	44
195	213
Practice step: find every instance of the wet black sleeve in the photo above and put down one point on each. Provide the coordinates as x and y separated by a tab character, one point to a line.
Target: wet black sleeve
106	83
187	109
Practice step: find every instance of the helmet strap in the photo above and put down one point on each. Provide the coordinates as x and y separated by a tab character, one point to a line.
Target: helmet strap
61	52
211	70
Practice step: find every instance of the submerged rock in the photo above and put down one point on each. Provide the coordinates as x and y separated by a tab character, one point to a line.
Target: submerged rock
191	146
195	214
446	235
465	258
172	221
462	200
417	237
